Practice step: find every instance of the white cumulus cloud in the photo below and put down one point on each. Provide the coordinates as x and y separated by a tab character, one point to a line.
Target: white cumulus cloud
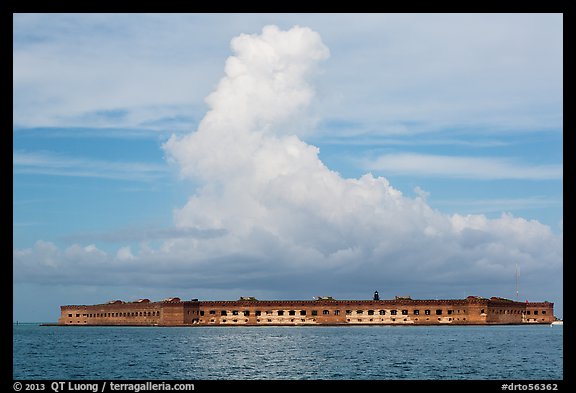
279	203
124	254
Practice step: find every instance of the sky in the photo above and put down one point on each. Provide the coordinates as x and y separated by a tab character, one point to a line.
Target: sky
285	156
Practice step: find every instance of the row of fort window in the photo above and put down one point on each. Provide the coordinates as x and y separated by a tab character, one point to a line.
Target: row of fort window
258	313
119	314
269	320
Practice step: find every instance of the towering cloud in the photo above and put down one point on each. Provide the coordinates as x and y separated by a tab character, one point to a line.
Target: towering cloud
281	206
264	92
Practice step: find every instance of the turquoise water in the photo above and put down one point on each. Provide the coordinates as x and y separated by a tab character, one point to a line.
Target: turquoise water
208	353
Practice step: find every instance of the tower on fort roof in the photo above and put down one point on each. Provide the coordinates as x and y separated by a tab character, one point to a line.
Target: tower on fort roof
376	296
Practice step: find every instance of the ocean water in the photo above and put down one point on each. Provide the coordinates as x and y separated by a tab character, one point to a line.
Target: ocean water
273	353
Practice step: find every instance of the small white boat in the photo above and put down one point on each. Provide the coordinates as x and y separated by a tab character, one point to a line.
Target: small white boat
559	322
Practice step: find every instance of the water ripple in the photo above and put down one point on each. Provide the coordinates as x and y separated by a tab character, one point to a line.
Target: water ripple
452	352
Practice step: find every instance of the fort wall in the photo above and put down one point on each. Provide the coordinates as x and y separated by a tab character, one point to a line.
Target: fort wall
539	312
335	312
113	313
252	312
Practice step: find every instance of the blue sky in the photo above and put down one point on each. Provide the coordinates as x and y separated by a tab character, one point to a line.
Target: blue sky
128	182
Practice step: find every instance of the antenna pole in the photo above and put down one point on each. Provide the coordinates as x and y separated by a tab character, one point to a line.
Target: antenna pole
517	275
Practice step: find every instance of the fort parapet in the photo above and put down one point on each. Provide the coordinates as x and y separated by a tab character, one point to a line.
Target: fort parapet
473	310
